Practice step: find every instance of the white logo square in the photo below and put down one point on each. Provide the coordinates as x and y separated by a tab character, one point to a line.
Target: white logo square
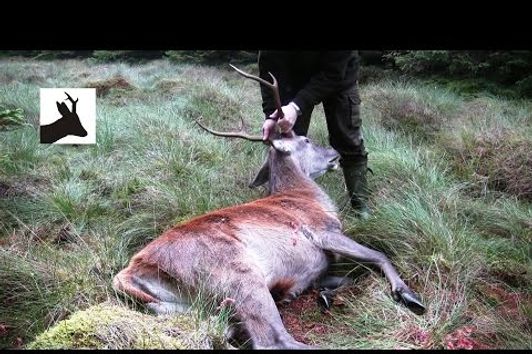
68	116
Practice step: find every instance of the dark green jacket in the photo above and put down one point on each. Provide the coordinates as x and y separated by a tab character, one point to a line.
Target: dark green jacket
306	77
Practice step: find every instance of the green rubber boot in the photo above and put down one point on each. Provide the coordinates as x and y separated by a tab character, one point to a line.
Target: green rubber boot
357	186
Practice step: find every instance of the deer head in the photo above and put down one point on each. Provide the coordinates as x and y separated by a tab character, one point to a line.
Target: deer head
311	159
68	124
71	119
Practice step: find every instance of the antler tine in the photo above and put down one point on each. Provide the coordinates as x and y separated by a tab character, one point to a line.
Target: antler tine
241	134
70	98
256	78
274	86
232	134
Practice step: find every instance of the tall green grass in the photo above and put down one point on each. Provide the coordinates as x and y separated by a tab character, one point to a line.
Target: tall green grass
71	217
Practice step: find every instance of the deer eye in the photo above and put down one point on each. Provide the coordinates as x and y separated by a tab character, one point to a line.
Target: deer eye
307	141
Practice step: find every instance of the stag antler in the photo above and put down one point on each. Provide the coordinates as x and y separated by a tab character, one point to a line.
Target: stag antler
274	86
73	102
233	134
70	98
241	134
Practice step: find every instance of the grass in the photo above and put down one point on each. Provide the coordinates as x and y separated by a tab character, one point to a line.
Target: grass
450	200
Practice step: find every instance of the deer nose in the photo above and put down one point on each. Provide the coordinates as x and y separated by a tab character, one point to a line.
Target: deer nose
334	163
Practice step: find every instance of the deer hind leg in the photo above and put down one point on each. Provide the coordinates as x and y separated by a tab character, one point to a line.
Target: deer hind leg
341	244
153	288
256	311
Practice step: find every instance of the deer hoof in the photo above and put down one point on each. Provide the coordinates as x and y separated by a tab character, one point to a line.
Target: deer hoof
410	300
325	299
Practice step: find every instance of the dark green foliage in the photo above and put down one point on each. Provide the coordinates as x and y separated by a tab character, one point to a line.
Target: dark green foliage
98	55
373	73
211	57
10	118
46	54
129	56
510	69
371	57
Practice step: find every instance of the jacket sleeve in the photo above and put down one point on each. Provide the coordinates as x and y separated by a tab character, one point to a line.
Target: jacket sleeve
331	78
266	64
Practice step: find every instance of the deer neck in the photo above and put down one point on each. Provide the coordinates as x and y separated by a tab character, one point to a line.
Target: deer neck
286	175
55	130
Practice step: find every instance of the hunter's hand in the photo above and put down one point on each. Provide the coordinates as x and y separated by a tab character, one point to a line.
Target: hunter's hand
289	119
268	127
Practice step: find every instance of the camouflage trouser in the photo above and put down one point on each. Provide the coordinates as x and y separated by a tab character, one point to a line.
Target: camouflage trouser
342	112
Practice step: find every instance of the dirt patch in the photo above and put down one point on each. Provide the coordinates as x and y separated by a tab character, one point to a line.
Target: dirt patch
104	87
57	234
508	303
29	186
516	276
24	187
414	334
4	329
303	316
463	338
4	190
18	343
505	307
293	315
65	235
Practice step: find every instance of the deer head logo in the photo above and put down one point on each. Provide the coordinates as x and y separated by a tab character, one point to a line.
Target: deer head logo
67	124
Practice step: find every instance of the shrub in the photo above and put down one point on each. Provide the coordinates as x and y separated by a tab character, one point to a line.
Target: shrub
108	326
511	69
211	57
103	56
498	159
11	118
117	82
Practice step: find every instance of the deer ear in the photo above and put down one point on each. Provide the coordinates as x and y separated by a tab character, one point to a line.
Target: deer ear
281	146
62	108
262	176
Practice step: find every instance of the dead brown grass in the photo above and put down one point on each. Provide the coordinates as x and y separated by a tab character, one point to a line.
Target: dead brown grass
408	115
104	87
499	159
169	86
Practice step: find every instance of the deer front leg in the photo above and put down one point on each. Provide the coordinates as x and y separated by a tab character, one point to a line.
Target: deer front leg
343	245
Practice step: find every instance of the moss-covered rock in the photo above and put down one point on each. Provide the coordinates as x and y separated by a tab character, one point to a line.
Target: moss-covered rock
108	326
